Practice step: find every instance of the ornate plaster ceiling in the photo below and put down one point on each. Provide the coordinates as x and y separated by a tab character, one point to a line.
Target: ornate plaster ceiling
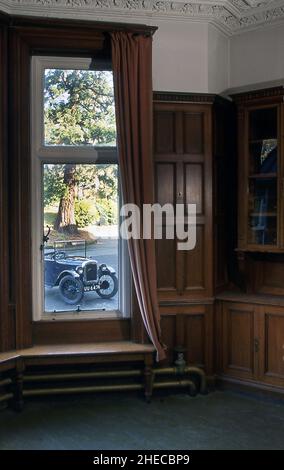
232	16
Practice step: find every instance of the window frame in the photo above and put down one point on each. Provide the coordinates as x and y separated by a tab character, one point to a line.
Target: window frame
81	154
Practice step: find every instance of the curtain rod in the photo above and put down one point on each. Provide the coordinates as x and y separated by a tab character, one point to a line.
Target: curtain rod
104	27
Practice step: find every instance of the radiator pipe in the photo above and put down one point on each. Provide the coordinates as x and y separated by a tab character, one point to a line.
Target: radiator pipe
109	388
119	374
83	375
187	370
69	390
6	397
5	382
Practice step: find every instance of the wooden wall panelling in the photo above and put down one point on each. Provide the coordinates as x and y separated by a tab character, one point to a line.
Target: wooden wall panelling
267	274
6	318
224	189
168	327
280	188
271	345
183	163
218	337
19	172
187	133
81	331
189	327
239	332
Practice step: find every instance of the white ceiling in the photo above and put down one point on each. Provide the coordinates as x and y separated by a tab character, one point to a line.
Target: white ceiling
231	16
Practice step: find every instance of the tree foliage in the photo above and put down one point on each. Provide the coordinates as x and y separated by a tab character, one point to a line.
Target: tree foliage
79	110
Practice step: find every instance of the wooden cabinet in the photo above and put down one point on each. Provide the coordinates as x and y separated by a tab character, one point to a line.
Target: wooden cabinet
261	170
252	342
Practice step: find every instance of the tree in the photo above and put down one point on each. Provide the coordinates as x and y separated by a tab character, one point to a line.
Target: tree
79	110
65	219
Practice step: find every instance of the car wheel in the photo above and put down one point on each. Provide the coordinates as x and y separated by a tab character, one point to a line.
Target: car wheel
108	286
71	289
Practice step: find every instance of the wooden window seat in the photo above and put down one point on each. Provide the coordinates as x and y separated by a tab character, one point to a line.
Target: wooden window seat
21	362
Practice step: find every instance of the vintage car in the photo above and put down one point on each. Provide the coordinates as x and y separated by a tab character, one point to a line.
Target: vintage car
75	274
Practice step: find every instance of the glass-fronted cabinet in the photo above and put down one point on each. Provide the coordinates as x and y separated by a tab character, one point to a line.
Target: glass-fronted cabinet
260	161
262	176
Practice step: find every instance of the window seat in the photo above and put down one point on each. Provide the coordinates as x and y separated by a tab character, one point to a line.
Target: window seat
22	364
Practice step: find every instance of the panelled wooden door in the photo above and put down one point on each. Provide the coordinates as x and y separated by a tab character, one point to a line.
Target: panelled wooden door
183	171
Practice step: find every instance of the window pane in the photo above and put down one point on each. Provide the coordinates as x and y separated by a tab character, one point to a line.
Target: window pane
79	108
262	229
81	255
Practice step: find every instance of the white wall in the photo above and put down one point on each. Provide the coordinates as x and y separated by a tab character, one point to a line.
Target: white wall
218	60
180	52
257	56
190	57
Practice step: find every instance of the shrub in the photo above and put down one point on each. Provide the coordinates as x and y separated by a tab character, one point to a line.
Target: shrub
84	213
108	211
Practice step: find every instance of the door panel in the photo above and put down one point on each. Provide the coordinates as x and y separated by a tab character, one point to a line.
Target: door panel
193	133
271	332
238	340
164	136
166	183
194	186
194	263
166	261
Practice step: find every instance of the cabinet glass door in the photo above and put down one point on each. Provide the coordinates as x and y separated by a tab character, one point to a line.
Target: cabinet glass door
263	176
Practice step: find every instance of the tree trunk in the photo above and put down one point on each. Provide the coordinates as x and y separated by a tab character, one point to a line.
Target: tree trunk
65	219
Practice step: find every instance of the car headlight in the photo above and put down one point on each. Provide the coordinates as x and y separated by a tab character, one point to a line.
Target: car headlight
80	270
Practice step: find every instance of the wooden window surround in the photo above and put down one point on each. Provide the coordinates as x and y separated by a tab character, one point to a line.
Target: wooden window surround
20	38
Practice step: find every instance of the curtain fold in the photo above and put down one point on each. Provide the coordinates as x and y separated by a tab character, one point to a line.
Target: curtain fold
132	68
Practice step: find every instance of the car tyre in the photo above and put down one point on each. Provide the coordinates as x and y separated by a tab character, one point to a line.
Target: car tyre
71	289
107	292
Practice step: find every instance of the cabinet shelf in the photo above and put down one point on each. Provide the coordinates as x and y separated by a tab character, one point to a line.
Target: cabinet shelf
260	141
263	214
263	175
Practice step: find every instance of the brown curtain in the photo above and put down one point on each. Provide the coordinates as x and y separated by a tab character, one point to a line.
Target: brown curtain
132	67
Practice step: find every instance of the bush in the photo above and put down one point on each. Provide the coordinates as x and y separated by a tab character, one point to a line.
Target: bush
108	211
84	213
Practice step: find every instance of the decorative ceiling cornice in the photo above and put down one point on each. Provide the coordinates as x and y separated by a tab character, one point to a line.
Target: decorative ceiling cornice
231	16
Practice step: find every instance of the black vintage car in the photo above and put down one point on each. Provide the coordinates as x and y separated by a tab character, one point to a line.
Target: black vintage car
75	274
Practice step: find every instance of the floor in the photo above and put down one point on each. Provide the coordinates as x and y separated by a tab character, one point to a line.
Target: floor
221	420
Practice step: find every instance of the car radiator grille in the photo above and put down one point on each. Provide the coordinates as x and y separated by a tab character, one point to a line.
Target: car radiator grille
91	272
